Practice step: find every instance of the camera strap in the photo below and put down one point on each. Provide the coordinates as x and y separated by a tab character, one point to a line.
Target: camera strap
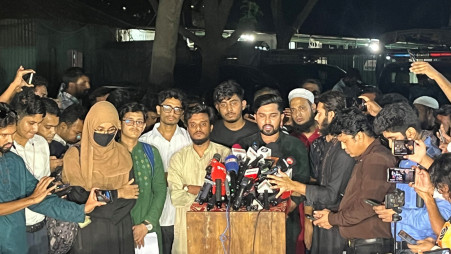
149	153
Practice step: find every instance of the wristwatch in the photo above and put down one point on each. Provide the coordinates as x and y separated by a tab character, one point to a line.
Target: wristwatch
148	225
185	188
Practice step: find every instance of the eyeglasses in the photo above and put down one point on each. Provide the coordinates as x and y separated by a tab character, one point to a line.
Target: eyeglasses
130	122
111	130
169	108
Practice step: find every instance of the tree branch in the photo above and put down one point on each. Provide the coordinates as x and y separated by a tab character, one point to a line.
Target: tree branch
277	14
303	15
233	38
154	4
188	34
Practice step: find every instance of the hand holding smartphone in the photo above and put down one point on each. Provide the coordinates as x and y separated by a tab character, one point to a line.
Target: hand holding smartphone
310	217
104	196
406	237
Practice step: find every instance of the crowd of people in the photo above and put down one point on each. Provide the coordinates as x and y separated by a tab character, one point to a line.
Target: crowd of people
114	172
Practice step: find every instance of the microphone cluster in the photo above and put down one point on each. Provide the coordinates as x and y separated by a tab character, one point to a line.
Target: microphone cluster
241	180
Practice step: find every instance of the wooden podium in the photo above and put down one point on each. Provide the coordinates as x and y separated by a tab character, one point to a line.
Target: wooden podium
204	229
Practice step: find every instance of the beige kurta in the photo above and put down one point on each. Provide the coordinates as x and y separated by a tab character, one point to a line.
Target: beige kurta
186	167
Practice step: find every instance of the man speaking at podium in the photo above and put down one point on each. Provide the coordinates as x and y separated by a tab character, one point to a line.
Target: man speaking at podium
187	168
268	110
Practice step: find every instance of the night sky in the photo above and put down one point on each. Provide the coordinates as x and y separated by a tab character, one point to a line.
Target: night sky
360	18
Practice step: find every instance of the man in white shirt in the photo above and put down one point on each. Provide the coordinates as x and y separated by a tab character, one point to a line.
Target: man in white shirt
34	150
168	138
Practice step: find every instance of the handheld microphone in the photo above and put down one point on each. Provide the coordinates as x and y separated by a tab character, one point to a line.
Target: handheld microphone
286	163
232	167
264	151
208	183
218	175
243	186
239	152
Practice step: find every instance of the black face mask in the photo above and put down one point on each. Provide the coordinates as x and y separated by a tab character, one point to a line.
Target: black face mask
103	139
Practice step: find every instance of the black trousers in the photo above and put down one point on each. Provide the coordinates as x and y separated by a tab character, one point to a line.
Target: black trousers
370	246
167	234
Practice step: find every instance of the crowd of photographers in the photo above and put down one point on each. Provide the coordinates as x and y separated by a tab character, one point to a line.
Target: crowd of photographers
106	175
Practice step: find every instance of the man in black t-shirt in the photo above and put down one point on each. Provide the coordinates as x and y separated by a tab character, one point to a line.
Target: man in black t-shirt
228	100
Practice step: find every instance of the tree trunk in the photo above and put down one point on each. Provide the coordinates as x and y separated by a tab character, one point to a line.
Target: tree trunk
283	38
211	60
164	45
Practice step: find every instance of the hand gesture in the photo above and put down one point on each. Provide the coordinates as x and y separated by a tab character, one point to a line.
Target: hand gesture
288	120
92	202
128	191
424	68
386	215
322	219
422	245
139	232
55	162
420	152
19	82
281	182
423	185
41	191
372	107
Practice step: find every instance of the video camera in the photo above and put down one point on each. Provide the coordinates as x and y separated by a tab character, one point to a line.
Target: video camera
395	200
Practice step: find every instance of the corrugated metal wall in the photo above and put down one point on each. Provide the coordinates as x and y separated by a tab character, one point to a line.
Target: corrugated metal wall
17	47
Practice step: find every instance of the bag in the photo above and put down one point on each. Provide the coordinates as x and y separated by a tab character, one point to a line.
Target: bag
150	245
61	234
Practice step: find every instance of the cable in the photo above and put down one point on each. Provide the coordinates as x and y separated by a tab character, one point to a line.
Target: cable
255	231
223	237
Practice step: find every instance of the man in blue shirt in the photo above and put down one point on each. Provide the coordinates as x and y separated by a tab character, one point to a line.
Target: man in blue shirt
19	190
399	121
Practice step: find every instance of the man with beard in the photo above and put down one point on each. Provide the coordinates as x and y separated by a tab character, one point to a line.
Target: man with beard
168	138
187	168
228	100
334	167
302	106
425	107
75	85
268	110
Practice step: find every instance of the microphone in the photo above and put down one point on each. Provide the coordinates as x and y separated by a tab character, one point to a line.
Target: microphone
208	183
239	152
243	186
232	167
286	164
218	175
264	151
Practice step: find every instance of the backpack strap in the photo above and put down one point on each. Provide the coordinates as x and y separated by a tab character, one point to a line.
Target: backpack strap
148	151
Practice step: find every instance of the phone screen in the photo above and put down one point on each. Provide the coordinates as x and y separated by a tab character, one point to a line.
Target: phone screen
310	217
400	175
403	147
406	237
104	196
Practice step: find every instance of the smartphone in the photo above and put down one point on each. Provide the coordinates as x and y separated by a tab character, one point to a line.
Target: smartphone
412	56
104	196
400	175
403	147
442	139
356	102
310	217
372	202
406	237
31	78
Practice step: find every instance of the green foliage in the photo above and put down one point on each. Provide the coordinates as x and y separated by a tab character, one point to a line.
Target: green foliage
250	11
